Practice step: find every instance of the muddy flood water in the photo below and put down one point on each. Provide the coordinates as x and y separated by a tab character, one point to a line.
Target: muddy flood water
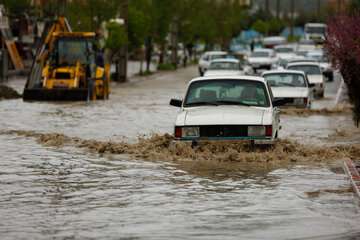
109	170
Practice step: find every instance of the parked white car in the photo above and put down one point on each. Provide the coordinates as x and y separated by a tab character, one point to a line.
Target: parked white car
290	85
231	108
207	57
224	67
262	58
313	73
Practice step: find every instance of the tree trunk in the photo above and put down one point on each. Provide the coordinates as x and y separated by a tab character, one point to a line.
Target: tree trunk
162	52
278	9
148	53
142	56
174	44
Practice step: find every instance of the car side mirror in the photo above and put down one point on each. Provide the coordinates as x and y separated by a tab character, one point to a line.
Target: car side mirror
176	102
311	85
280	102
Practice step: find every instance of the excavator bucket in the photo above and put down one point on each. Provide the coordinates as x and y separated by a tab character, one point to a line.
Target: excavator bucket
40	94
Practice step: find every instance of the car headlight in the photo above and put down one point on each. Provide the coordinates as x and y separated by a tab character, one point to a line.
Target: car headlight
254	131
190	132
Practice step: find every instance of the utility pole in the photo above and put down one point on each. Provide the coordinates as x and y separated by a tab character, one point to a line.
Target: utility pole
292	18
174	41
123	61
267	8
278	9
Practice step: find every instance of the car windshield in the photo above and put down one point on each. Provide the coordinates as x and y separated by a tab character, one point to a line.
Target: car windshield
224	66
285	80
317	57
260	54
217	56
284	50
227	92
316	30
308	69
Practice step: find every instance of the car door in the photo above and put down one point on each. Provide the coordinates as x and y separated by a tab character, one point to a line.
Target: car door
276	112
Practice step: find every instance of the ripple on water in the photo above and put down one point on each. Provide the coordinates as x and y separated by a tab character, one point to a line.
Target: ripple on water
49	192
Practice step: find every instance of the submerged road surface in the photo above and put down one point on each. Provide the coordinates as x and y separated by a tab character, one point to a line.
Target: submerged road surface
50	192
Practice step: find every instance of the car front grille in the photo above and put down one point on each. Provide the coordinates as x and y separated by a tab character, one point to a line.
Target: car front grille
224	131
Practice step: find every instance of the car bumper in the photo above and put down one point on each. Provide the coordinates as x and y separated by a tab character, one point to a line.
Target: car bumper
255	140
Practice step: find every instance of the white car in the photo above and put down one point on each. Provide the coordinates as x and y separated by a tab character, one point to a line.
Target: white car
224	67
228	108
313	73
262	58
305	46
290	85
285	53
323	61
207	57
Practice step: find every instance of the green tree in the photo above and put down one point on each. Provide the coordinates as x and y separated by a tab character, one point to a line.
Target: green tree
16	7
116	40
88	15
261	26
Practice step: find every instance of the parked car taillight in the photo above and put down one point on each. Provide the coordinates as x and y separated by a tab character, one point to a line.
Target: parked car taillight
305	101
268	130
178	132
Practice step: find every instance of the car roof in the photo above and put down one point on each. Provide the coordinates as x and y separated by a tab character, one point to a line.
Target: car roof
309	63
303	60
292	46
233	60
274	37
263	50
316	53
250	78
283	71
215	53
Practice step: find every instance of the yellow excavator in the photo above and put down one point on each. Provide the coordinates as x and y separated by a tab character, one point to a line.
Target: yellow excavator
66	67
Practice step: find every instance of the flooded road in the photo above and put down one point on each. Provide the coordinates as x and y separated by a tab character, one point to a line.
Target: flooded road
67	192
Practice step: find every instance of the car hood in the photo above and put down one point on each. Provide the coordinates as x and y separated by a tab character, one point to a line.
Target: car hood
313	79
223	73
223	115
290	92
286	56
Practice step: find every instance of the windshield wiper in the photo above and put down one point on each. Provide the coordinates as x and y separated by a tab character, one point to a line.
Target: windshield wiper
233	103
201	103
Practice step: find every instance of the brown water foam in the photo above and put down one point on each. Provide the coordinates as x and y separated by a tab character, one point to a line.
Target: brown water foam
162	147
341	109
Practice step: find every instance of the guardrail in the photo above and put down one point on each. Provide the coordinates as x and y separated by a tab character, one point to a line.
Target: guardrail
352	169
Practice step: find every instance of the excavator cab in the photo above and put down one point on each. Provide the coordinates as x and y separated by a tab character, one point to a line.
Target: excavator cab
67	70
